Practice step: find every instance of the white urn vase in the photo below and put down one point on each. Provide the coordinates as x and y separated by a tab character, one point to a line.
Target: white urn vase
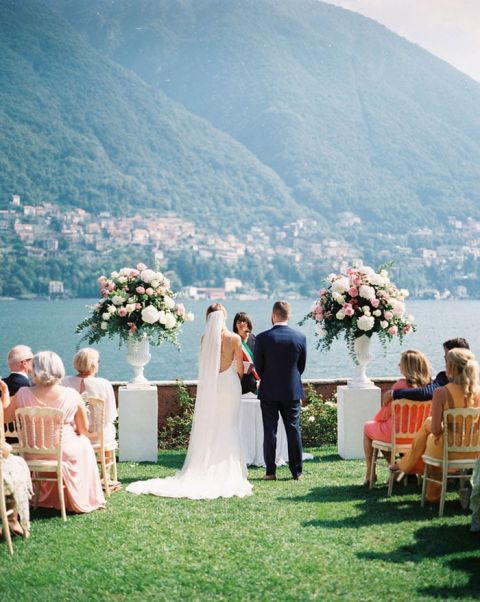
361	347
138	356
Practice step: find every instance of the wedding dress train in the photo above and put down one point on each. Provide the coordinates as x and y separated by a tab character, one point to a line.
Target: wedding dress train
214	466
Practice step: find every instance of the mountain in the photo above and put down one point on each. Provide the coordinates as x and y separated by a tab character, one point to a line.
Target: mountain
349	115
81	130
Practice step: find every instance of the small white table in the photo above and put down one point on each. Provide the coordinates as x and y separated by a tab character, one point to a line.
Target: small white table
251	433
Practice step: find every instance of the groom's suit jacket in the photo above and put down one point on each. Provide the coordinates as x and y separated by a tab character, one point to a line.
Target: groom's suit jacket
280	356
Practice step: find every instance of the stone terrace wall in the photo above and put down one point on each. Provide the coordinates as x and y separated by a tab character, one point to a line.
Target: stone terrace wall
167	392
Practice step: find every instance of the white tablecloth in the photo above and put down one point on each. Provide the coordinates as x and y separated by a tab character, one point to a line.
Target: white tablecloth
251	433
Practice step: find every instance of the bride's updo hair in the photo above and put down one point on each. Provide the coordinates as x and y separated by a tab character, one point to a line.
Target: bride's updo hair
216	307
415	368
462	369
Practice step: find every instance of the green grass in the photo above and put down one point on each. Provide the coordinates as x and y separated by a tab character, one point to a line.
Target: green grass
323	538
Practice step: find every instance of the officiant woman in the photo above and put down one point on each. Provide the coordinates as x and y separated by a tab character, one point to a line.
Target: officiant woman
242	325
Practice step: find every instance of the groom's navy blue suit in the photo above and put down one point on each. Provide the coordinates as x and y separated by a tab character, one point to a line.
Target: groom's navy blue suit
280	356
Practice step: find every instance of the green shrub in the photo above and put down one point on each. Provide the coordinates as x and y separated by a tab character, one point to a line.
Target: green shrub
176	431
318	420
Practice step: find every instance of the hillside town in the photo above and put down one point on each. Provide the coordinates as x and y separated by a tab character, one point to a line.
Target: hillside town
430	266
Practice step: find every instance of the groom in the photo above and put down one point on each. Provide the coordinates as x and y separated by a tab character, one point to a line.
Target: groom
280	355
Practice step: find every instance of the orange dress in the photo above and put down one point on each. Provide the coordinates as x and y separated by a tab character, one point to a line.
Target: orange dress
83	490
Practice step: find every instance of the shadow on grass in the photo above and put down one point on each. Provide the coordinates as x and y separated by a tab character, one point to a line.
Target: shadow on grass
438	542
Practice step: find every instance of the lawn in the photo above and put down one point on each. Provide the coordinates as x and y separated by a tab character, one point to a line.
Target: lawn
324	538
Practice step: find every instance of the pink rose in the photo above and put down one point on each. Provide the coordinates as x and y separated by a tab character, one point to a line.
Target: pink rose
166	283
102	281
318	316
350	271
180	309
407	328
138	306
375	302
353	291
357	281
348	309
112	286
392	330
141	267
104	292
133	273
122	312
323	291
133	328
388	315
149	291
140	290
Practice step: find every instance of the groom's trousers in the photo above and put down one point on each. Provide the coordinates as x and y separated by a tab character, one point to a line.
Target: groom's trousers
290	413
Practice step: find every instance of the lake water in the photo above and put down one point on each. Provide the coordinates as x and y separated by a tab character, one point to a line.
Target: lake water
51	325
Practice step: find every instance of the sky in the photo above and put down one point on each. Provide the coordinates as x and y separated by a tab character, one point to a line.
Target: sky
450	29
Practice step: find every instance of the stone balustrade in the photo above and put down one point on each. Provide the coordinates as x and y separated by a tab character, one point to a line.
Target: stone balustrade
167	391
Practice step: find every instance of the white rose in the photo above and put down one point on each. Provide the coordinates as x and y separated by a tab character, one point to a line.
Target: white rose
147	275
338	298
377	280
398	307
150	314
189	317
170	320
410	318
321	332
341	285
365	322
155	283
366	310
384	324
404	293
112	309
106	316
122	279
125	271
377	313
130	307
117	300
340	314
169	302
159	276
162	318
104	326
114	275
367	292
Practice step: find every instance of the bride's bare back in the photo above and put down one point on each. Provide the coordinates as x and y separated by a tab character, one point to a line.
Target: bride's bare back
231	350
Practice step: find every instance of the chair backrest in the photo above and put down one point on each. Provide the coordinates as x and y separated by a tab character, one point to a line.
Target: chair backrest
10	427
40	432
407	418
461	431
96	418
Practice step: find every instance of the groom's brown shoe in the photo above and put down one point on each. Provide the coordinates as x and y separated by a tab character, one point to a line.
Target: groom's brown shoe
269	477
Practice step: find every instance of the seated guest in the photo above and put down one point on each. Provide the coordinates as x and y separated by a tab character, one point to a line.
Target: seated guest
19	361
86	363
462	391
83	491
242	325
426	393
16	477
416	371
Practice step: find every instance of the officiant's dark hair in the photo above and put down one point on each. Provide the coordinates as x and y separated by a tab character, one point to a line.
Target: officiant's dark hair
241	316
282	309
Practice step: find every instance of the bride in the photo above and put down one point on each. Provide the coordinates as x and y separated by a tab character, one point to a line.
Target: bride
214	466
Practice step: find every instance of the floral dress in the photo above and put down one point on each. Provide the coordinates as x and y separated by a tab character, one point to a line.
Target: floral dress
17	481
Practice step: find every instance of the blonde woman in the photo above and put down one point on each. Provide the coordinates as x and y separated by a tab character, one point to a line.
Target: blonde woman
462	391
86	363
416	372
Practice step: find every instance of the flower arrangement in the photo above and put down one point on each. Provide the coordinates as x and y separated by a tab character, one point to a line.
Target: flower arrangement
135	302
360	302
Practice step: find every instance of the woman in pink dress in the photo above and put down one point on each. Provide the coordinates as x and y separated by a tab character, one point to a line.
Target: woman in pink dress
83	490
416	371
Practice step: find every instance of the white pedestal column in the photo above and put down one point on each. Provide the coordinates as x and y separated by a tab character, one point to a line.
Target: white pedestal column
138	424
354	408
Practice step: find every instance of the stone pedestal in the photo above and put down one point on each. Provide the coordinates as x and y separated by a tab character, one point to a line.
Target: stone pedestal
354	408
138	424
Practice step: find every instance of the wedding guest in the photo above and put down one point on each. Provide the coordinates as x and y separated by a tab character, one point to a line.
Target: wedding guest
242	325
86	362
16	477
19	361
462	391
416	373
83	490
426	393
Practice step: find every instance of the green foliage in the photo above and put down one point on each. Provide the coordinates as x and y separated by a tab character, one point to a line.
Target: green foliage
318	419
175	433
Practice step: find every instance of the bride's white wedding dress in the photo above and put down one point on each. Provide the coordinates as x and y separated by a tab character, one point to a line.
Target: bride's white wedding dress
214	466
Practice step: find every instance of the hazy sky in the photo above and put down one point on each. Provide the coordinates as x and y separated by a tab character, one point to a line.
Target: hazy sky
449	29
